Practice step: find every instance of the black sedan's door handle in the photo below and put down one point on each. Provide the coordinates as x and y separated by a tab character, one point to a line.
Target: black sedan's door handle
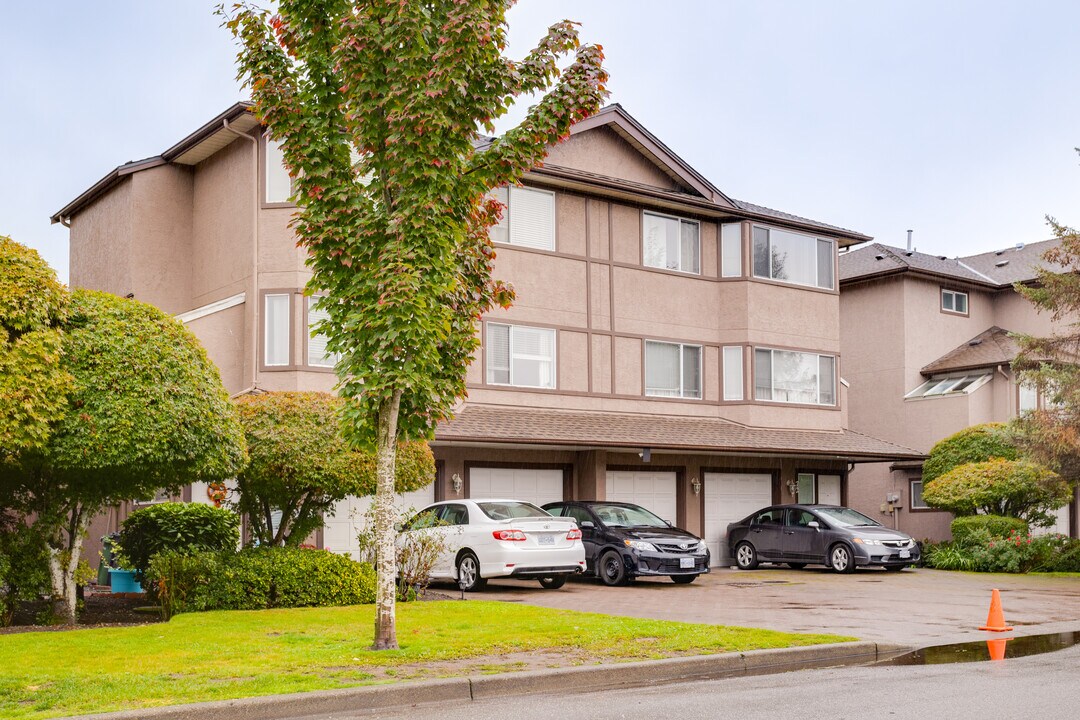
789	532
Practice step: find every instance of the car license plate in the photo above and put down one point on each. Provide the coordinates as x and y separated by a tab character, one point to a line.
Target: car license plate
545	539
686	562
905	554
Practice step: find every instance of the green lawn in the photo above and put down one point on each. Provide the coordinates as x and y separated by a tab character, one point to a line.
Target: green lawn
224	655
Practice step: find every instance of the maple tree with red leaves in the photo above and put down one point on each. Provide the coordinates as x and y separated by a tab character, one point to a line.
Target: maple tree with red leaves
378	106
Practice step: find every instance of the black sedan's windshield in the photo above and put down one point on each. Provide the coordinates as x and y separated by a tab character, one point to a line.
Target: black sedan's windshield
846	517
626	516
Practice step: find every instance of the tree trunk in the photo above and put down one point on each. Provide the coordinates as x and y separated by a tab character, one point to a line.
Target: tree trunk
63	561
385	533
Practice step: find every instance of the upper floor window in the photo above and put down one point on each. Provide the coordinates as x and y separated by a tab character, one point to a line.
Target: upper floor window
672	370
317	354
520	356
793	257
528	218
277	312
953	301
733	372
671	243
731	250
794	377
278	184
941	385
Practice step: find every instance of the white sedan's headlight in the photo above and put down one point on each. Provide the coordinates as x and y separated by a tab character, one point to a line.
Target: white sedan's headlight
640	545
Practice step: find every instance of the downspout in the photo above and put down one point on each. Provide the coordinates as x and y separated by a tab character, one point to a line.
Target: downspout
255	300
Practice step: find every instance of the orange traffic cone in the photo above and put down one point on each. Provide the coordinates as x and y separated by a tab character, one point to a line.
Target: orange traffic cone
995	621
997	648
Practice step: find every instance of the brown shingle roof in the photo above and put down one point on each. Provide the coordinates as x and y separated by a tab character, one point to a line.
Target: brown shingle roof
1016	264
539	426
990	347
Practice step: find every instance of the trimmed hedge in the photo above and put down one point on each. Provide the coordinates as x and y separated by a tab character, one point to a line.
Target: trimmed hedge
1000	487
259	578
978	443
175	527
994	525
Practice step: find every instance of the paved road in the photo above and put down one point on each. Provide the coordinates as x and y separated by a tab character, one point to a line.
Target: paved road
915	607
1046	687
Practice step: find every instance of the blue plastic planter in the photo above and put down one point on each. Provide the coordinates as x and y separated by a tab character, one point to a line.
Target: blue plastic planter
123	581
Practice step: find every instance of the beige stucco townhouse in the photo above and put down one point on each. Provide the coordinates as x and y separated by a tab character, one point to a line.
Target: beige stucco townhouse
927	350
669	345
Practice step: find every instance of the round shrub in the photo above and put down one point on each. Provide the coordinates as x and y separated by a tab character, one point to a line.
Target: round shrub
994	526
1000	487
175	527
978	443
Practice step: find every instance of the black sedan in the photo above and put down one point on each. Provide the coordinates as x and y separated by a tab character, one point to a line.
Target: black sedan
623	541
836	537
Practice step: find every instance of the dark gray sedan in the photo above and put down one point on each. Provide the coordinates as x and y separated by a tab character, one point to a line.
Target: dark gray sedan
829	535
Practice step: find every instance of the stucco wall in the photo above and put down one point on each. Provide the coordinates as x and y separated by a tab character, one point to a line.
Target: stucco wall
100	243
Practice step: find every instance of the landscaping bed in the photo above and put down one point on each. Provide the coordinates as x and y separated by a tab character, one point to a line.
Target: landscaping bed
224	655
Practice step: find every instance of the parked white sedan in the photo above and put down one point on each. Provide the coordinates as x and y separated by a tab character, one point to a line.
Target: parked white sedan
501	538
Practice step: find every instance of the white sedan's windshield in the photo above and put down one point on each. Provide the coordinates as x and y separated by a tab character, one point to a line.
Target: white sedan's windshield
846	517
511	509
626	516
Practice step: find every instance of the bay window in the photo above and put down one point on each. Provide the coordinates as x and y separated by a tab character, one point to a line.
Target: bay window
794	377
277	311
793	257
672	370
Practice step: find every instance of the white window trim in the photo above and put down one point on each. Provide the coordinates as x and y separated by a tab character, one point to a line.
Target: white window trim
510	345
680	219
772	377
816	238
682	380
955	293
982	379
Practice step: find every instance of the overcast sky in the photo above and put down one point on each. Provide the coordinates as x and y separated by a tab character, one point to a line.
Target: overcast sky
957	119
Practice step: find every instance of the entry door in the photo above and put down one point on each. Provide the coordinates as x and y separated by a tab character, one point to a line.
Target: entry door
537	486
342	526
654	491
828	488
730	497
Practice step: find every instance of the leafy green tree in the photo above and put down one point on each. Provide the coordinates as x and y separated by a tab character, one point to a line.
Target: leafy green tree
33	384
978	443
301	464
1009	488
1051	434
377	105
145	410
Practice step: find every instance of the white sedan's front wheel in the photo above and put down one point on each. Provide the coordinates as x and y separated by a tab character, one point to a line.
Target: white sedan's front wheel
468	572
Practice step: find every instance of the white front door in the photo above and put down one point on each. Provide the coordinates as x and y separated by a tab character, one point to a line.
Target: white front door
730	497
654	491
344	524
537	486
828	490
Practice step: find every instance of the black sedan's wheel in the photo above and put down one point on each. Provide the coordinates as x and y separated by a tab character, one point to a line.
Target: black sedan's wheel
683	579
796	566
612	570
468	572
841	560
553	583
746	556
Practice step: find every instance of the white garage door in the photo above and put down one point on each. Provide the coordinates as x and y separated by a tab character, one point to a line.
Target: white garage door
730	497
654	491
341	528
531	485
1061	523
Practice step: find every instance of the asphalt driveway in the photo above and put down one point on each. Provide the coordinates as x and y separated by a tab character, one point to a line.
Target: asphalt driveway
913	607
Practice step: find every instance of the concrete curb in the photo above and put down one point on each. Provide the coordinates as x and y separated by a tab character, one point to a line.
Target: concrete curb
576	679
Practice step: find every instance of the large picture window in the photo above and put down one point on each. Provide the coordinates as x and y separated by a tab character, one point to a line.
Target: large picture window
520	356
672	370
794	377
793	257
671	243
528	218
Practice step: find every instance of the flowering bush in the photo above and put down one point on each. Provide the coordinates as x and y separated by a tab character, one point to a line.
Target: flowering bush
1017	552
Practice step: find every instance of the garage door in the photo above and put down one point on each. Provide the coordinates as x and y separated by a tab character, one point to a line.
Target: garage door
730	497
654	491
531	485
341	528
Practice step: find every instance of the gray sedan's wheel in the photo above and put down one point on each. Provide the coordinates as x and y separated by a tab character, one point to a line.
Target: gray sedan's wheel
746	556
468	572
612	571
841	560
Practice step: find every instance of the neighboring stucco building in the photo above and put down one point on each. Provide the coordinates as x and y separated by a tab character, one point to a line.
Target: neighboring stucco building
927	350
669	345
